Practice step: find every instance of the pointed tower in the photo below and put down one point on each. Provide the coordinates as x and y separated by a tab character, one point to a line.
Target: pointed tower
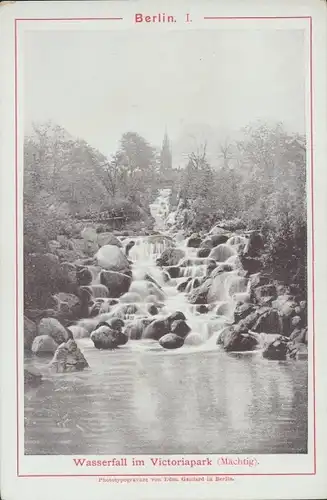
165	154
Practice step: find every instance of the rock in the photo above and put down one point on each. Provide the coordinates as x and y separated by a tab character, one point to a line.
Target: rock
299	336
175	316
297	351
84	276
254	245
68	304
156	329
108	239
269	322
30	333
207	243
296	322
170	257
32	377
250	320
44	344
182	286
153	310
242	310
135	329
117	283
90	247
51	327
202	309
203	252
194	241
275	350
171	341
111	258
200	295
105	338
68	358
260	294
285	306
174	271
217	230
231	339
114	323
180	328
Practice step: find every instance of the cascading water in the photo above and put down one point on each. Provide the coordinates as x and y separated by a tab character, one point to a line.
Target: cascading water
151	285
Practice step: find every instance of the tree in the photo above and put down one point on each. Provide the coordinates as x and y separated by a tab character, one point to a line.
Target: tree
165	155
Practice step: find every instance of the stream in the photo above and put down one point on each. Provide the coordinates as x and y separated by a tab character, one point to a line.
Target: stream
143	399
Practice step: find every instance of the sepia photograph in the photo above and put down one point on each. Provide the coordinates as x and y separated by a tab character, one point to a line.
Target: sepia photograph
165	200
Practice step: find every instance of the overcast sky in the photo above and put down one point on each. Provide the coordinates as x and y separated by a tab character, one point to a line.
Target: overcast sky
100	84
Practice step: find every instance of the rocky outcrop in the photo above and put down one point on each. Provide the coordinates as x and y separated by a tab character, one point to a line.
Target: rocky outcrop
68	358
232	339
52	328
111	258
117	283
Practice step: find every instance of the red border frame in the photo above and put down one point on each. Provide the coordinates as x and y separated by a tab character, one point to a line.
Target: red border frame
312	249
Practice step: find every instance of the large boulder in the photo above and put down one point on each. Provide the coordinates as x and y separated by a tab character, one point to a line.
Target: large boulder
203	252
276	350
156	329
200	294
111	257
170	257
30	333
68	304
231	339
252	265
117	283
52	328
174	271
194	241
242	311
268	322
180	328
222	252
105	337
171	341
68	358
175	316
108	239
44	344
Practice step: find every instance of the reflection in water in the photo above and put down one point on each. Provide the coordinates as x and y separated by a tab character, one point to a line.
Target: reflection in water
143	402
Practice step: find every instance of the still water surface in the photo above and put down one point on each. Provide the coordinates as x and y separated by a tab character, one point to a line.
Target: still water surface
138	400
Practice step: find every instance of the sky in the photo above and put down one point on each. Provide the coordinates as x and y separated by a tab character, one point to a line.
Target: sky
100	84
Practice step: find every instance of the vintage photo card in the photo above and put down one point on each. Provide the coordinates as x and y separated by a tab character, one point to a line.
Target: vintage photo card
163	249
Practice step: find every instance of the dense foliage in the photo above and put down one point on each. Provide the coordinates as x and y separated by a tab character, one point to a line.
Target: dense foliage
260	180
